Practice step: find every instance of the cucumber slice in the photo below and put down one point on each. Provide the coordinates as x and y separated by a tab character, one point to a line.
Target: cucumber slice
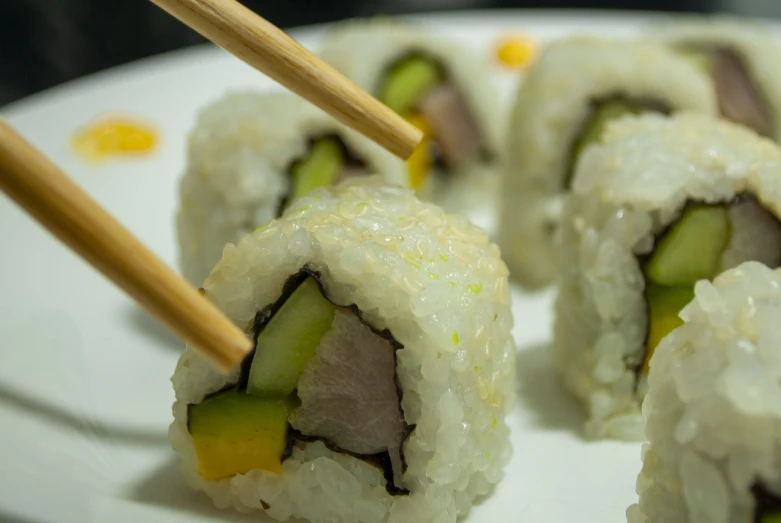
321	167
234	433
289	340
595	126
664	305
692	248
407	82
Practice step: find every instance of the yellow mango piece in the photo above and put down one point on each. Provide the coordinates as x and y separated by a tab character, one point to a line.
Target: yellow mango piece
419	163
234	433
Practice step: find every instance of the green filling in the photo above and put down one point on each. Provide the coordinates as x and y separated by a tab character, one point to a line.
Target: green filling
234	433
774	517
700	60
664	304
603	114
321	167
690	251
407	82
289	340
692	248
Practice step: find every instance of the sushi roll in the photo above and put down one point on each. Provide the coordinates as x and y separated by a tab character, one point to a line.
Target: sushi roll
662	203
440	87
577	85
713	408
250	156
383	370
741	58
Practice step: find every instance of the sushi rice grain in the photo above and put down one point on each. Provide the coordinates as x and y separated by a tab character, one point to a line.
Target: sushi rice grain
239	153
552	104
756	46
713	407
626	191
364	50
440	287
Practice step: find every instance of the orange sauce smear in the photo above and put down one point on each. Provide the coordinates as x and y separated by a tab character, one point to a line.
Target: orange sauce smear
115	136
515	51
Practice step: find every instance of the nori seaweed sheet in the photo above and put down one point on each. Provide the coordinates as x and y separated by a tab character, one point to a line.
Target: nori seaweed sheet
350	161
644	258
262	318
485	155
645	104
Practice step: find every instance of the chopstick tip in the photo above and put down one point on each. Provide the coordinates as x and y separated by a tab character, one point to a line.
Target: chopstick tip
231	355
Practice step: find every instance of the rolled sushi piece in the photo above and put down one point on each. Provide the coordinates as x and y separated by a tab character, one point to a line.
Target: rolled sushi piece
383	370
713	408
441	87
575	87
250	155
741	59
662	203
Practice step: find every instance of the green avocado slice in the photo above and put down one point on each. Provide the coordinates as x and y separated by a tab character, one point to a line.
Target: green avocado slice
699	59
321	167
407	82
603	114
692	248
664	305
289	340
234	433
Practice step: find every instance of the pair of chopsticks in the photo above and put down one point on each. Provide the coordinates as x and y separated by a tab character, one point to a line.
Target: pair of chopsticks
54	200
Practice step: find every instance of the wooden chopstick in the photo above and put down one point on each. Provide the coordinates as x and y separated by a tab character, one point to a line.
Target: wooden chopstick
265	47
53	199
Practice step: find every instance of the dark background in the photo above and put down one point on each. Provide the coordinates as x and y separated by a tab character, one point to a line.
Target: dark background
46	42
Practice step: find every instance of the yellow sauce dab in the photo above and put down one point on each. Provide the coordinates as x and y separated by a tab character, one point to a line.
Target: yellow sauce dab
419	164
516	52
115	136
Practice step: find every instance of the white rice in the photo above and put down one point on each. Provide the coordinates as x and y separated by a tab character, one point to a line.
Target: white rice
625	192
364	49
756	46
552	105
713	408
239	153
440	287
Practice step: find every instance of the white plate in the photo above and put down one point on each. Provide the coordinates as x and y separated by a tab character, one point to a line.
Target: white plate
84	374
